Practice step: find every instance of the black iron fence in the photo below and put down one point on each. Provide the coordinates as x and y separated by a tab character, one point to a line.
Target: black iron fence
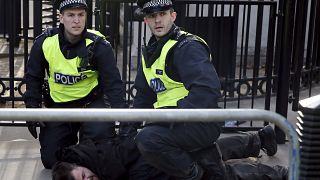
265	52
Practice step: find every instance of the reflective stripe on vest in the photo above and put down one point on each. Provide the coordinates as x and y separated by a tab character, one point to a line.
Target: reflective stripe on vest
65	82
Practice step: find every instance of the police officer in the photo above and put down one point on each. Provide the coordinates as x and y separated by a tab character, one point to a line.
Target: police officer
82	73
177	72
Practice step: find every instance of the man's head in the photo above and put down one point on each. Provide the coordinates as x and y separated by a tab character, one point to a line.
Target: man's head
73	16
69	171
158	15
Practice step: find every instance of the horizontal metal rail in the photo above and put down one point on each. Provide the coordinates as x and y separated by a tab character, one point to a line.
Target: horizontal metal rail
164	115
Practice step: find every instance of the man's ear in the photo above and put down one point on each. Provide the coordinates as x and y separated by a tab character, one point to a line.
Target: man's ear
60	18
145	20
173	16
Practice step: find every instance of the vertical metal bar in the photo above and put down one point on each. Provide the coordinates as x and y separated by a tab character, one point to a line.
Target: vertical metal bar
4	18
298	49
269	55
256	62
316	47
187	6
197	19
25	31
138	59
284	72
245	62
310	34
234	31
210	10
210	26
317	59
97	14
216	10
37	18
241	54
279	42
54	16
103	11
89	15
219	51
125	44
317	63
234	45
12	39
130	45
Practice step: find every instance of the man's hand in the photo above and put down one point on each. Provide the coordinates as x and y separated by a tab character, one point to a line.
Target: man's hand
32	127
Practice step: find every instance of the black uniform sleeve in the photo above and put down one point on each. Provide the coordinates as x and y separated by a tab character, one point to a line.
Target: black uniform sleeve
109	75
144	97
34	76
198	75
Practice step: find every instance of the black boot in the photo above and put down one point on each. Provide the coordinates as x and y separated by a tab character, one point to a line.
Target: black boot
283	171
268	140
211	161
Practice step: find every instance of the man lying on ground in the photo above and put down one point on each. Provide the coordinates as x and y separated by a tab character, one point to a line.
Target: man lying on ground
121	160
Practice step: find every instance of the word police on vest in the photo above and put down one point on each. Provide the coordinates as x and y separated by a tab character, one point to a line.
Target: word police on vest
157	85
68	79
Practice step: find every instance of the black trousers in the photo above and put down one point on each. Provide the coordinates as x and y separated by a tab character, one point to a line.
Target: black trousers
167	148
239	146
57	135
170	149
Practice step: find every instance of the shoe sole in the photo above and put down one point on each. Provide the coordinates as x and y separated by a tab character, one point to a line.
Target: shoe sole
270	133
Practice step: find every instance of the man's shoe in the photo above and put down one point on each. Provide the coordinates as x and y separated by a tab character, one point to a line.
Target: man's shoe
268	140
283	172
210	160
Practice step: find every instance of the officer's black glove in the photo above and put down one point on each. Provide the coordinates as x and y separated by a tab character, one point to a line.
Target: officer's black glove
128	129
32	127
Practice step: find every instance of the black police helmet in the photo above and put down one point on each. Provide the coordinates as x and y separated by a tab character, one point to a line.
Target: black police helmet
66	4
151	6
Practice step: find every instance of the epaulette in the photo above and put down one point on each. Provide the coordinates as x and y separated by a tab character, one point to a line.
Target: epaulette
187	38
95	38
190	37
48	32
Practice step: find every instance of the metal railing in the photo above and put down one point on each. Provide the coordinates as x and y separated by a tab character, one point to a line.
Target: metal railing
228	26
181	115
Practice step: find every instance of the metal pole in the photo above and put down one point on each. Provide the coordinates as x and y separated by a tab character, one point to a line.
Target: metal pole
37	18
177	115
12	41
285	62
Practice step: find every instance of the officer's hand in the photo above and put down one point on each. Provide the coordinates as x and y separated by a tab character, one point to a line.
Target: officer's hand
32	127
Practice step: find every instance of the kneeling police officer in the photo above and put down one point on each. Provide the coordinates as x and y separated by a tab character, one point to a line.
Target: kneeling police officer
82	73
